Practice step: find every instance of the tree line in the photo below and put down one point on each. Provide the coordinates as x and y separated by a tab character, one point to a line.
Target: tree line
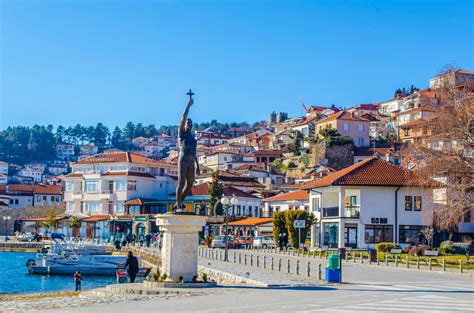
23	144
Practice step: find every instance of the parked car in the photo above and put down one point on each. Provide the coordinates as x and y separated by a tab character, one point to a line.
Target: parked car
264	242
219	242
244	241
29	237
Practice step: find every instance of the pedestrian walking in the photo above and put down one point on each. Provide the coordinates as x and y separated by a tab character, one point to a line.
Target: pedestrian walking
148	240
280	241
78	279
285	240
132	265
117	244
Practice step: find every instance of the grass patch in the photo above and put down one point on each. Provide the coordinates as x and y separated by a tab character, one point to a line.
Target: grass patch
38	296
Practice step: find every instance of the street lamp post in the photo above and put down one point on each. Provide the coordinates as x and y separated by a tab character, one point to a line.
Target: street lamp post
225	202
6	219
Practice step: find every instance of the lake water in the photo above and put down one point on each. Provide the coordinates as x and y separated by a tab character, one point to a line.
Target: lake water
14	277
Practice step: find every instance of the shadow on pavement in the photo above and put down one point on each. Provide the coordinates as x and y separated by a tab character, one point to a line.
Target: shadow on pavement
281	287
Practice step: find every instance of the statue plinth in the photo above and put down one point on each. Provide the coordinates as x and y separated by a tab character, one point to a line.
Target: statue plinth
179	252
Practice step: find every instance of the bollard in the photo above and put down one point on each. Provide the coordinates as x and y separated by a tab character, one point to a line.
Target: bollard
271	264
429	264
378	260
361	258
319	271
264	261
293	252
314	254
235	257
386	260
370	260
408	262
297	267
245	259
347	257
308	269
240	257
288	266
353	257
460	266
320	254
298	252
279	265
251	260
396	261
444	265
418	262
258	261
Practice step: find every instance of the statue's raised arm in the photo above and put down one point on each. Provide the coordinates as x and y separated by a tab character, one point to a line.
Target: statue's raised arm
184	118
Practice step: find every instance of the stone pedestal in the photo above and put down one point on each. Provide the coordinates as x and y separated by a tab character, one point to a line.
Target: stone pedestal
179	253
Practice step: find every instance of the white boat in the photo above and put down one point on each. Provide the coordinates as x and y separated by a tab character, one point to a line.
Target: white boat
67	261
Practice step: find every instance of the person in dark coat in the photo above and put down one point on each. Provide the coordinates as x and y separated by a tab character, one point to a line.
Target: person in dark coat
132	264
147	240
117	244
285	240
78	279
280	241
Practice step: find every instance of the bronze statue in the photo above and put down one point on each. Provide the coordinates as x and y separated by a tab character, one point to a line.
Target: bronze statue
188	166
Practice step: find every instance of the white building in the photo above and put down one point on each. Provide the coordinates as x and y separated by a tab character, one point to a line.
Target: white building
103	183
89	149
35	173
369	202
295	200
64	150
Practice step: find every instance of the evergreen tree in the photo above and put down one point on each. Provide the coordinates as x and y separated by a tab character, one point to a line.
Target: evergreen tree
215	191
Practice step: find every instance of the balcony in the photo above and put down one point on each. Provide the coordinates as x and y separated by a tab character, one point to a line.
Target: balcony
107	195
331	212
353	211
77	195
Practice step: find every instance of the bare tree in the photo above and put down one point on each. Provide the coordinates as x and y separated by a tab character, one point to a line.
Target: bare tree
445	152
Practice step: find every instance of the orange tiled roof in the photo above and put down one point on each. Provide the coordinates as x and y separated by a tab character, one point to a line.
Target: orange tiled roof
121	173
420	121
369	172
342	115
117	157
96	218
294	195
251	221
43	189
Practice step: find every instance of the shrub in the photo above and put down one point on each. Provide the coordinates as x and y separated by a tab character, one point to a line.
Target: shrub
180	279
449	247
291	216
279	225
194	278
386	247
163	277
204	277
418	250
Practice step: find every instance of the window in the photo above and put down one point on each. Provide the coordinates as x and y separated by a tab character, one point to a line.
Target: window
378	233
11	201
69	186
361	127
345	126
238	210
361	141
69	206
134	209
38	198
409	234
417	202
331	234
132	185
53	199
45	198
408	203
91	186
406	132
93	206
120	208
121	185
16	201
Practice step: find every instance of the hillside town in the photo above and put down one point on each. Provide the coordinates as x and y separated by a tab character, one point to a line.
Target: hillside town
350	167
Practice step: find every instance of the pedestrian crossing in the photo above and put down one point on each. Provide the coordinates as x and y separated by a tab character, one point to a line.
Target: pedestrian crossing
421	303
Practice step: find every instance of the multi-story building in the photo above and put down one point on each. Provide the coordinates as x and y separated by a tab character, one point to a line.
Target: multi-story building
453	78
37	195
89	149
369	202
36	174
64	150
347	124
211	139
100	186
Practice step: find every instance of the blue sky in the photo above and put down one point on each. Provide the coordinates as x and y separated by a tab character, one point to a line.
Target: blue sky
67	62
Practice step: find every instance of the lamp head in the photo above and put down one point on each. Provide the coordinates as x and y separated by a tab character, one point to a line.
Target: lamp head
225	200
234	201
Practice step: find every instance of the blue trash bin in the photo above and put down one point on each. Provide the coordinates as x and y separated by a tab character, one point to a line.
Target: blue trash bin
333	275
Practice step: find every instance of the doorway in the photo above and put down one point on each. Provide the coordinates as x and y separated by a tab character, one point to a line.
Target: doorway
350	236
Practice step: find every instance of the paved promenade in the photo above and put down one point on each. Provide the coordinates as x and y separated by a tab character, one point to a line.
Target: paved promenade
366	289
